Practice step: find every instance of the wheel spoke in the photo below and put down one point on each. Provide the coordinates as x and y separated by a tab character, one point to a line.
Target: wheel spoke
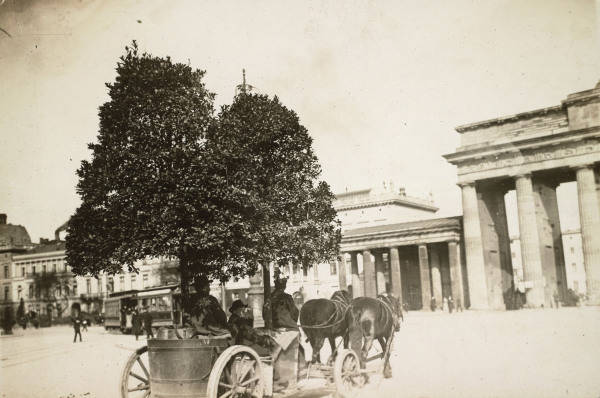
139	388
139	360
221	384
245	371
228	393
245	383
140	378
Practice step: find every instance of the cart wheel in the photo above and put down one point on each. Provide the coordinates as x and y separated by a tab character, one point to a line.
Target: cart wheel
347	374
135	380
236	373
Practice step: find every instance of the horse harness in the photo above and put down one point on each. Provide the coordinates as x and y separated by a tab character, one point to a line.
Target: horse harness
338	316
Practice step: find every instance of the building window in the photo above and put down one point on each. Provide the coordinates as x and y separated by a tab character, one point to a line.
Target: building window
99	285
572	249
33	269
31	291
58	291
333	268
54	267
22	271
145	280
75	288
19	289
111	285
121	282
576	286
88	286
304	271
133	278
6	271
44	269
6	293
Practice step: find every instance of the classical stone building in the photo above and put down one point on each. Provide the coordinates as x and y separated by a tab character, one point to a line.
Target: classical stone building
531	152
391	241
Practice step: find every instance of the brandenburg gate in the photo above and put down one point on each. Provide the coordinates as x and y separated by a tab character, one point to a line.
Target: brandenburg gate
532	153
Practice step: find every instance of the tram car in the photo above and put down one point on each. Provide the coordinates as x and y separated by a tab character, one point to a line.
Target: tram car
163	304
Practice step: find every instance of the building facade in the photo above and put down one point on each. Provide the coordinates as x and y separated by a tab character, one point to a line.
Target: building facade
532	153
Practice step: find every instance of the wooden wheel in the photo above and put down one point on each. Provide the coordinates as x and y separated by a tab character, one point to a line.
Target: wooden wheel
135	380
347	375
236	373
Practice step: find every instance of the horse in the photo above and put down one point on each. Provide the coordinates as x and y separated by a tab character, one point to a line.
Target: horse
374	318
325	318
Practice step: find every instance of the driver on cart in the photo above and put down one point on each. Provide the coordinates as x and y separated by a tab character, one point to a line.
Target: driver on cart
206	315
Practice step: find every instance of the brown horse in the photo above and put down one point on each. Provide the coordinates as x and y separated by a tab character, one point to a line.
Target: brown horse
325	318
370	319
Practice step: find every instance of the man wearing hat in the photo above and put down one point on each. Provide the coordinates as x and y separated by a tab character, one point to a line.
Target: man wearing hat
282	308
240	326
207	314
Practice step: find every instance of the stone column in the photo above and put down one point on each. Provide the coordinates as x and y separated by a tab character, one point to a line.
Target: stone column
530	241
357	290
455	273
341	268
474	248
425	279
395	275
380	270
436	276
369	275
589	215
548	222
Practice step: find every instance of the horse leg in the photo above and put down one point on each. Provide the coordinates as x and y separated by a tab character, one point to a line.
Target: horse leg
387	369
318	344
331	339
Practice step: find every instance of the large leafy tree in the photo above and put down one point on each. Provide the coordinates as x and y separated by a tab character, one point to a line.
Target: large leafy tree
143	192
281	212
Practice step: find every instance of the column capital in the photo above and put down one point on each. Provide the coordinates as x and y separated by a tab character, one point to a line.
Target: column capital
583	166
466	184
522	175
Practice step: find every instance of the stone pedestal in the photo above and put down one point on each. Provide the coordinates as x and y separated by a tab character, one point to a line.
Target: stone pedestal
357	289
589	214
395	274
530	246
369	275
474	248
425	278
256	299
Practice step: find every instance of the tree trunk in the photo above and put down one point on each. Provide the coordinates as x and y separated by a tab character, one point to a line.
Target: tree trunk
267	292
185	280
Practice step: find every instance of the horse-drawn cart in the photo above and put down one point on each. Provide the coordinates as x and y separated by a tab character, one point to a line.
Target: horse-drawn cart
178	364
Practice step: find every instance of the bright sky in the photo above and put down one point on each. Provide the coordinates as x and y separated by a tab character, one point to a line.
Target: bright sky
379	85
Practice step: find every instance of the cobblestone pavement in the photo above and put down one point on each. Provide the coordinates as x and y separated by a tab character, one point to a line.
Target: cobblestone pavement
528	353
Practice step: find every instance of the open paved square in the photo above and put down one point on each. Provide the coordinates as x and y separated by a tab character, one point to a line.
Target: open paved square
527	353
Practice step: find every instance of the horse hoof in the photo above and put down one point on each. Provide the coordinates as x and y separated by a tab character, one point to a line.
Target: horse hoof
387	374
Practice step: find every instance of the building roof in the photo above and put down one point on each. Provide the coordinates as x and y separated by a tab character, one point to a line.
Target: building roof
413	226
47	247
13	236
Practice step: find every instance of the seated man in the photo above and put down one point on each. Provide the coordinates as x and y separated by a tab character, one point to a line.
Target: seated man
240	326
280	308
207	316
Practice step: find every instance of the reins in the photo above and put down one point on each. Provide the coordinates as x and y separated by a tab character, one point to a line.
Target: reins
327	324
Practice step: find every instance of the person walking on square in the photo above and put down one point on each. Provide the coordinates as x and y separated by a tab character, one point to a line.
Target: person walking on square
450	304
136	323
148	324
77	328
433	304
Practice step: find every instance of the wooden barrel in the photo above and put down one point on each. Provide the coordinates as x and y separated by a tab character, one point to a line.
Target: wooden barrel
180	368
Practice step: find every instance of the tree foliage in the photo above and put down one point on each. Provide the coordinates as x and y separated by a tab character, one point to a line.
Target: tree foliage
221	194
278	210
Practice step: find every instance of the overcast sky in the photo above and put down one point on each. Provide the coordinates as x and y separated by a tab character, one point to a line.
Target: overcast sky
379	85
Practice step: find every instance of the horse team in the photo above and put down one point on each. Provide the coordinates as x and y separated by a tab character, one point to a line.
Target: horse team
359	321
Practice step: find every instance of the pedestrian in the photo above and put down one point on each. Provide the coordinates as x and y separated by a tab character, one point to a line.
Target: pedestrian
136	324
459	305
445	304
148	323
433	304
450	304
84	325
77	328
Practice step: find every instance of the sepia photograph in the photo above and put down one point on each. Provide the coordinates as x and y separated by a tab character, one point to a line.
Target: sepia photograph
299	199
